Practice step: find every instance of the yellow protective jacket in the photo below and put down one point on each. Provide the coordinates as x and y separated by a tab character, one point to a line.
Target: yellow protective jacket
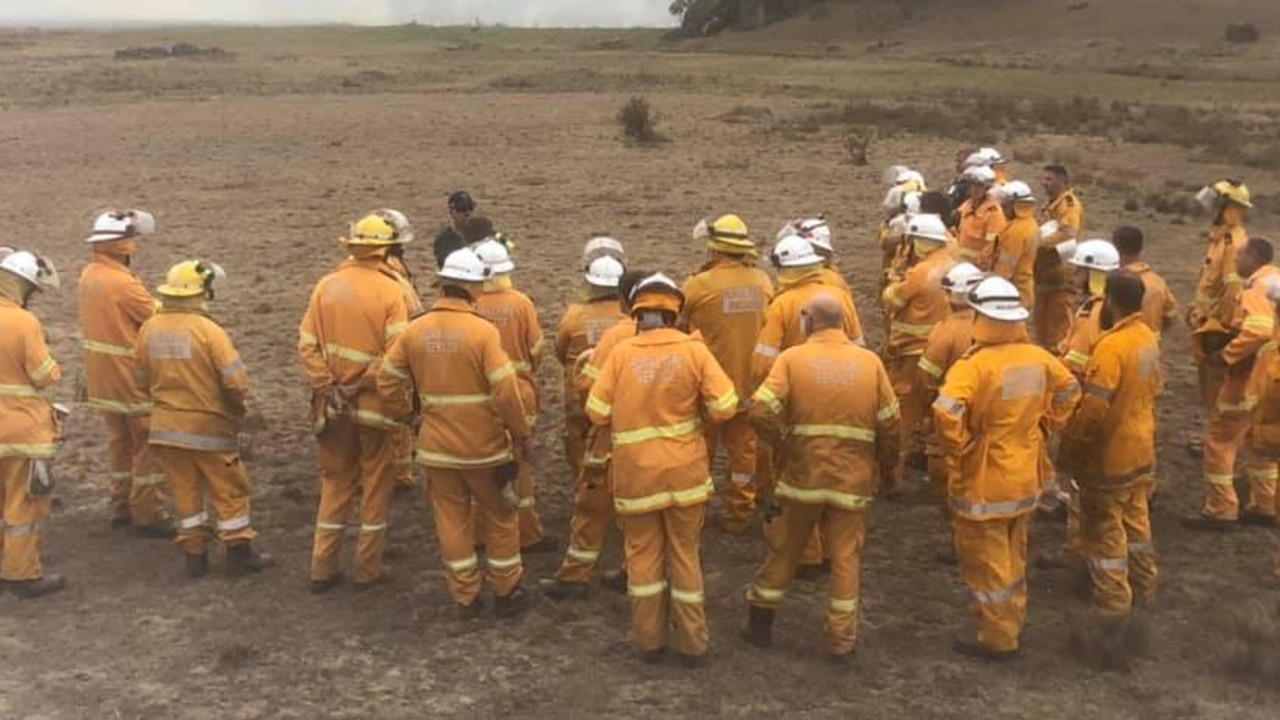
949	341
993	414
654	393
832	277
916	304
450	365
513	313
1159	306
412	301
1077	347
726	304
1051	274
1016	256
195	378
113	306
783	329
980	227
1111	438
355	314
1264	384
28	427
1252	327
580	329
600	444
830	405
1218	287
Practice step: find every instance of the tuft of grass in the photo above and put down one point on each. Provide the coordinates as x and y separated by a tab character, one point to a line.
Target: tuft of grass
638	120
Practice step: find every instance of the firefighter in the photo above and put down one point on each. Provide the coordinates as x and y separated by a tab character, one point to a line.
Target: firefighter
981	220
474	425
906	188
1062	222
1219	286
831	403
915	306
1231	417
355	313
1109	447
200	389
1264	382
990	414
654	394
1016	248
1159	306
513	313
403	438
725	303
580	328
30	427
113	306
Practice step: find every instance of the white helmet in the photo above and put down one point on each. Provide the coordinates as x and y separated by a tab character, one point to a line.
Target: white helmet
962	278
928	227
464	266
36	270
399	221
604	272
1018	192
981	174
992	156
998	299
817	231
602	246
119	225
795	251
1098	255
495	256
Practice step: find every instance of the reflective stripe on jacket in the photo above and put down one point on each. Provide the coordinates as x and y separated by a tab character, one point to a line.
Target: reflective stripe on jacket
1086	327
1219	286
917	304
513	313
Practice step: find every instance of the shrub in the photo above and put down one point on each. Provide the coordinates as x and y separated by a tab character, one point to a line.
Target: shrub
638	121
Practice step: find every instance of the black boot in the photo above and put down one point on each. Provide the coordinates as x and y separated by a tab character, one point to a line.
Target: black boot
320	587
27	589
759	629
197	565
243	559
615	580
512	605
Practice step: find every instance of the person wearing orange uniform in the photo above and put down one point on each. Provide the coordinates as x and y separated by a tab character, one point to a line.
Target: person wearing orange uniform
915	306
1232	416
198	384
30	427
450	369
1159	306
580	328
1264	382
1219	286
991	415
513	313
800	280
981	220
1062	222
832	404
725	303
354	315
653	394
113	306
403	438
1109	446
949	341
1016	247
593	495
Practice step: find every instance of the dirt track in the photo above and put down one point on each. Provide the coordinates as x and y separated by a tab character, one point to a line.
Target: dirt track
261	171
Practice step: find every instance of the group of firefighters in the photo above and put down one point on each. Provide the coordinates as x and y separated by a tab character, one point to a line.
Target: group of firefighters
658	376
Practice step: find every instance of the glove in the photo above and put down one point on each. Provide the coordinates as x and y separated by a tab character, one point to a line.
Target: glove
40	482
505	476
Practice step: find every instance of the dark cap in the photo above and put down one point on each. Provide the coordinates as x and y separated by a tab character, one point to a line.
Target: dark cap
461	201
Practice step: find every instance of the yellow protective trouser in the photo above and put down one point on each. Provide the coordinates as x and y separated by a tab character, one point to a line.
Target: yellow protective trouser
993	563
740	493
904	373
404	442
355	461
767	469
575	442
1116	539
195	474
451	494
664	578
592	515
1262	487
21	524
1227	432
846	531
1054	308
137	484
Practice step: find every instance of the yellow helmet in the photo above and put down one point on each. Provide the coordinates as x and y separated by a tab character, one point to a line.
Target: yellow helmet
1233	191
191	278
727	234
377	230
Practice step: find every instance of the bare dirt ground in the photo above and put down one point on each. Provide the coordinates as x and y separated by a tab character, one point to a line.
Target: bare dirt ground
258	161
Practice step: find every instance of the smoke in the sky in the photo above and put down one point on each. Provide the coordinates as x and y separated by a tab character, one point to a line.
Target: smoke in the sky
613	13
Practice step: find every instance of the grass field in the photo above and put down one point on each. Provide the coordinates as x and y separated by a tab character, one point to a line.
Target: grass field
258	161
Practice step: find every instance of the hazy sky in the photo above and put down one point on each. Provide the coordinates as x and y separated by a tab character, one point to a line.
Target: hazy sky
366	12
